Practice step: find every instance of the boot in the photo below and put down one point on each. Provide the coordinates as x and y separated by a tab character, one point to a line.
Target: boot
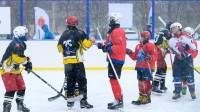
138	102
109	104
6	107
162	85
176	96
193	95
66	94
70	104
116	104
156	90
146	99
22	107
85	104
184	89
76	92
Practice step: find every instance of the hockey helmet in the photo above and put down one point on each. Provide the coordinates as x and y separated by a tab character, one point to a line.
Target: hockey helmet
176	25
20	32
166	33
71	21
189	30
145	34
115	18
168	25
148	26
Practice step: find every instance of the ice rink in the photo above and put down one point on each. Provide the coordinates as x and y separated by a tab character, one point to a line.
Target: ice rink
99	94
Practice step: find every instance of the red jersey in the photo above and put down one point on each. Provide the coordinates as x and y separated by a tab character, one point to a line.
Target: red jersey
117	41
149	49
195	53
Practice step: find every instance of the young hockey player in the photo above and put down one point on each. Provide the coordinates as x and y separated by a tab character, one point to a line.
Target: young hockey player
146	56
11	72
115	46
183	58
162	49
71	44
189	31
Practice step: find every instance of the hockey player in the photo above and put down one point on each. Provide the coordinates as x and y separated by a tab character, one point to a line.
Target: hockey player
162	49
189	31
11	72
71	44
146	56
182	59
115	46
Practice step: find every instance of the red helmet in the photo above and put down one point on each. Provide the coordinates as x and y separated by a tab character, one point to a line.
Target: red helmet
71	21
145	34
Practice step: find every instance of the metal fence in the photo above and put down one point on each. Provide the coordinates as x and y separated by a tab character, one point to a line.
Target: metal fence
94	13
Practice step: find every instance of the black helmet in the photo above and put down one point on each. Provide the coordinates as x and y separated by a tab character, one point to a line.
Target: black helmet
168	25
166	33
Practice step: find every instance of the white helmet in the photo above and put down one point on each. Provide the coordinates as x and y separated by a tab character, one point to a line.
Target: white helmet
116	17
20	31
189	30
176	24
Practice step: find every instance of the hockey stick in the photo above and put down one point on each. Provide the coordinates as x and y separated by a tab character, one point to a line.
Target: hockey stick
77	98
197	28
162	21
58	95
109	59
48	84
183	59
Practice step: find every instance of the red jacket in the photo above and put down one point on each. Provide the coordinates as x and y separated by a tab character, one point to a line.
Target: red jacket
149	49
117	50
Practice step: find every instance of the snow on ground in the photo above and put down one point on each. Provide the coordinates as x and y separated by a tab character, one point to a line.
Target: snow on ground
99	94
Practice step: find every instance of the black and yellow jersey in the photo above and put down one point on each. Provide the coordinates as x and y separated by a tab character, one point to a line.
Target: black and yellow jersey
13	57
71	44
163	45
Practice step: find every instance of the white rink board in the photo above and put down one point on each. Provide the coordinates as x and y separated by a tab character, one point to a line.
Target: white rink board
45	54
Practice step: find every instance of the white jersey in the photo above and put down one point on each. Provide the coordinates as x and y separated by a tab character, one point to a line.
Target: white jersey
181	40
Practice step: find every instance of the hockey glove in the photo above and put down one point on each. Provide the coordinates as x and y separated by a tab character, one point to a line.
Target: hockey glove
147	58
1	66
28	67
128	51
183	52
187	47
105	48
189	50
16	67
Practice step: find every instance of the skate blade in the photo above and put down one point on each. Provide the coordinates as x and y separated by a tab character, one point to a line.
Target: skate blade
177	100
156	94
193	99
76	98
120	109
164	91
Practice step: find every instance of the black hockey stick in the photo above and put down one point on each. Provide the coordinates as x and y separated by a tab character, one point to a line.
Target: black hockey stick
177	54
55	97
58	95
48	84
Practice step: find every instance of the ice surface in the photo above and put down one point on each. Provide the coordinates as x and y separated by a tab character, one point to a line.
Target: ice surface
99	94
